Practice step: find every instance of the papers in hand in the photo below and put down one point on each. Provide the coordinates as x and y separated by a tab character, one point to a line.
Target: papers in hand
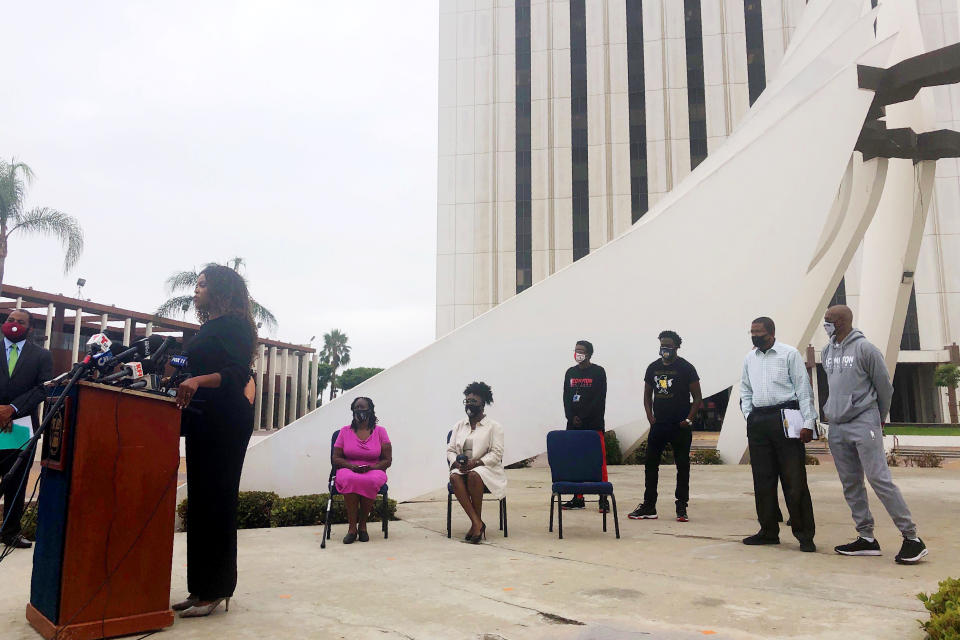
793	422
19	436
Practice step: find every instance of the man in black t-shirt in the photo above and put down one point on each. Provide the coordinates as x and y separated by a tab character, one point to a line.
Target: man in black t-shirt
668	385
584	403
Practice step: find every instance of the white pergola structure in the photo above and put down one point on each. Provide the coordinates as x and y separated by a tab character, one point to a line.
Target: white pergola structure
766	225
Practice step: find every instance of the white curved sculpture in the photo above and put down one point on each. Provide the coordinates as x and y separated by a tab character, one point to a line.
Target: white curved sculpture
766	225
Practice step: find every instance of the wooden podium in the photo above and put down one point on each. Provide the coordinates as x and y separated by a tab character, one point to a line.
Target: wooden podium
101	565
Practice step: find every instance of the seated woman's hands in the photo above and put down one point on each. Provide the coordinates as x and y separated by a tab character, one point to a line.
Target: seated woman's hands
360	468
465	467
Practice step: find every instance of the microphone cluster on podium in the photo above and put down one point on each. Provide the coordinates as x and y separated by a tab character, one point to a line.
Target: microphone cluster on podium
142	365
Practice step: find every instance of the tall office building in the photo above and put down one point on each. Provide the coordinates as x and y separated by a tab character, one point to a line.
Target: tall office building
562	122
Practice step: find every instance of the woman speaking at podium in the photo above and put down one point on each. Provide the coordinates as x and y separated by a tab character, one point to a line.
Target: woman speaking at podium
222	391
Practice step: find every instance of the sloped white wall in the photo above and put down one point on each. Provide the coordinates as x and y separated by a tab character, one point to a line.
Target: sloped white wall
734	241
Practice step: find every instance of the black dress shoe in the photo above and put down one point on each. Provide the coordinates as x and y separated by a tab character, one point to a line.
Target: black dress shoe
17	542
760	538
807	546
363	536
350	538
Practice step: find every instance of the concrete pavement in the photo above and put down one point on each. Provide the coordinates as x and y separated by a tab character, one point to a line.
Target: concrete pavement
663	579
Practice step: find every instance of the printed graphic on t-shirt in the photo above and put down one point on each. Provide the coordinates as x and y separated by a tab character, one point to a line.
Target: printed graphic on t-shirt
663	385
581	383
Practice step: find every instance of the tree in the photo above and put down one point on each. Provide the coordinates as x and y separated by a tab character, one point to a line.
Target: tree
948	375
324	373
179	305
336	353
352	377
15	177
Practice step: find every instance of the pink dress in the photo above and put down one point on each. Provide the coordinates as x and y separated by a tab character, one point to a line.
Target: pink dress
359	452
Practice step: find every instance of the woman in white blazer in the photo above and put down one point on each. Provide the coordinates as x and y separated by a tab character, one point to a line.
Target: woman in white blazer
475	457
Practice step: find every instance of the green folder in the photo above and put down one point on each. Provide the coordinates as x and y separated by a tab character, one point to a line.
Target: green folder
21	434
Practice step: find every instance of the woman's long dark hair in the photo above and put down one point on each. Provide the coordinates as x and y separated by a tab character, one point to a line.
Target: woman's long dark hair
371	421
228	296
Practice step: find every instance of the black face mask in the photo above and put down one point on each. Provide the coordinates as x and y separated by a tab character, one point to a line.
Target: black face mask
361	415
473	410
760	342
668	353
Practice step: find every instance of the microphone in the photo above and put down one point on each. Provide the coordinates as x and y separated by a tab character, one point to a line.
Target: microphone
153	362
56	381
132	370
97	344
141	347
179	362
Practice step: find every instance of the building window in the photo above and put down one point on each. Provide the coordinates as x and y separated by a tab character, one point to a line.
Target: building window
524	198
756	72
840	296
578	128
696	96
636	85
910	341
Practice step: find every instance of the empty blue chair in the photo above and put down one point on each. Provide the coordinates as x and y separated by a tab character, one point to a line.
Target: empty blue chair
332	483
576	460
503	503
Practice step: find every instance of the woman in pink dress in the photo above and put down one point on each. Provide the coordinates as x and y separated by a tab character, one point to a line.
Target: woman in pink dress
361	454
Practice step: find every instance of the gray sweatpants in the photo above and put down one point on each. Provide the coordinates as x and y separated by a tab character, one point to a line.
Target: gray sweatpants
857	449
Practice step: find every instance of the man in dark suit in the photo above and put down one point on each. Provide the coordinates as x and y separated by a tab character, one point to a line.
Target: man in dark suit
24	367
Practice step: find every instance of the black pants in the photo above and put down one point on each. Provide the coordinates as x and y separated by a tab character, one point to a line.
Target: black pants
215	453
773	456
679	437
13	494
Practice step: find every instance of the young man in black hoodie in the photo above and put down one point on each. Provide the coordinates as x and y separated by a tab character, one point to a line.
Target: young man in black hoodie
584	403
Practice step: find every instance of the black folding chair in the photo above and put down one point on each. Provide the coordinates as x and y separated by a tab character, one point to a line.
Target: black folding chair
332	484
502	501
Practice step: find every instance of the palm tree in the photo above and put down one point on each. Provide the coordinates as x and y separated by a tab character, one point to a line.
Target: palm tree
180	305
15	177
336	353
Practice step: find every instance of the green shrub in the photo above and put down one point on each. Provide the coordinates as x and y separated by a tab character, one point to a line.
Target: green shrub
254	508
298	511
614	454
262	509
522	464
812	460
944	608
926	460
705	456
28	523
639	455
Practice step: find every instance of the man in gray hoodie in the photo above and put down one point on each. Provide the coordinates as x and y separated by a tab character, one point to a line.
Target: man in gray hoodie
859	400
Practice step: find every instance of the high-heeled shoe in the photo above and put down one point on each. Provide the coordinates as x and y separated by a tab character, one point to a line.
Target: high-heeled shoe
185	604
200	611
480	536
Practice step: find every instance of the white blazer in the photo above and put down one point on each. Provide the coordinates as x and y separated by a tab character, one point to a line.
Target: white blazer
487	446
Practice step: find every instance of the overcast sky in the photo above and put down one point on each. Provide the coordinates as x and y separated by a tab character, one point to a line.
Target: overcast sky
299	135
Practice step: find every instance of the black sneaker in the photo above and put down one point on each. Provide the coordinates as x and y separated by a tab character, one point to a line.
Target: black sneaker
643	512
807	546
911	552
576	503
760	538
859	547
682	513
604	505
17	542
